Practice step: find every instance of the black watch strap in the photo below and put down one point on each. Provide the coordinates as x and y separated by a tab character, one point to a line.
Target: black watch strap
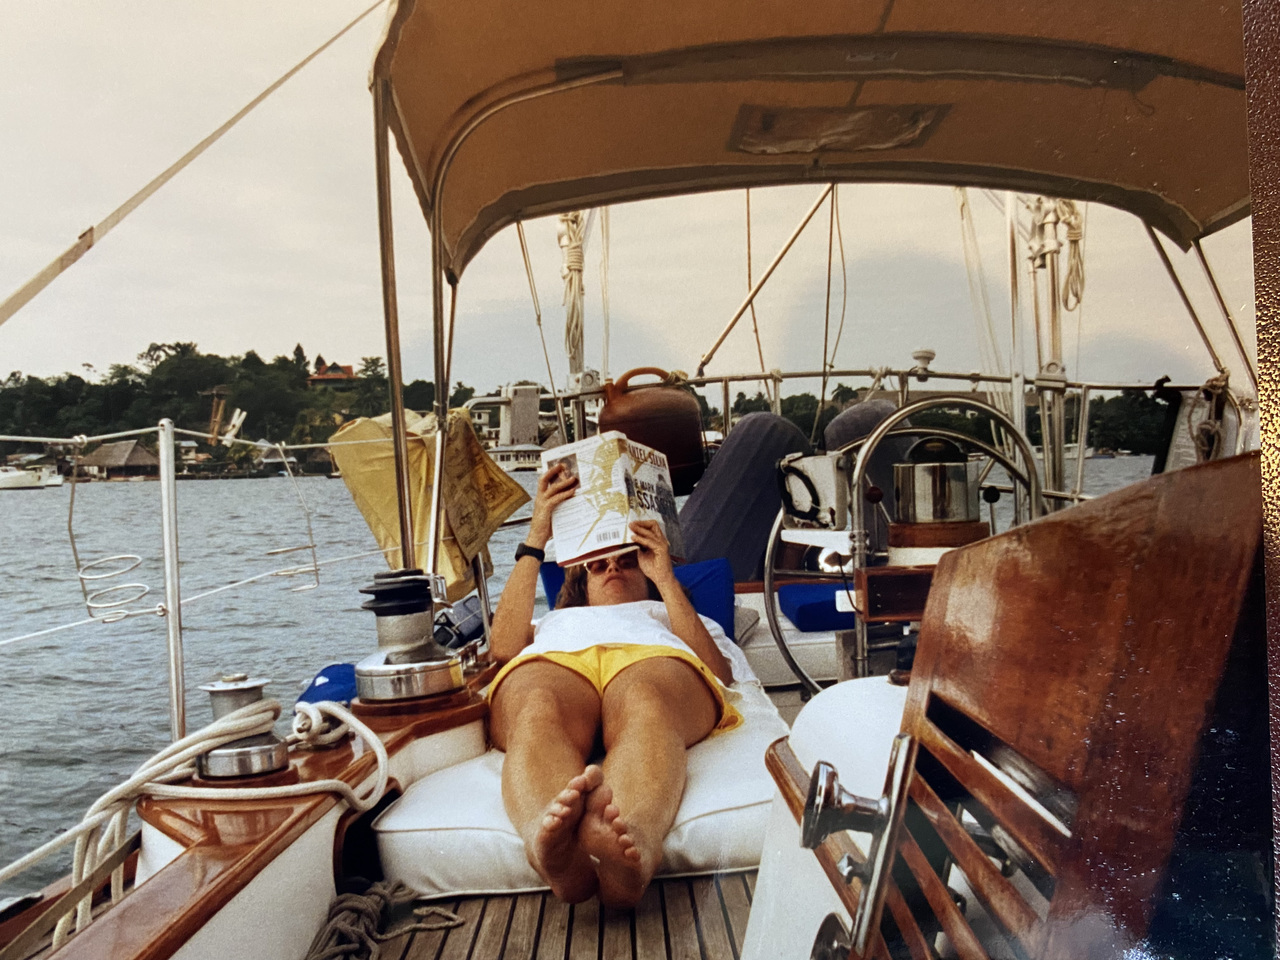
524	550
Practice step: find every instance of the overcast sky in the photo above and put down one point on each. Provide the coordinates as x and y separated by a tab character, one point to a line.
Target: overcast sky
270	238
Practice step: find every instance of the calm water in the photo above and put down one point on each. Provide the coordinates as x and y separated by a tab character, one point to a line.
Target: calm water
82	708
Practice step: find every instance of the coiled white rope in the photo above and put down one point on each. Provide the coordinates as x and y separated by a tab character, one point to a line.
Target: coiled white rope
1073	280
102	830
572	235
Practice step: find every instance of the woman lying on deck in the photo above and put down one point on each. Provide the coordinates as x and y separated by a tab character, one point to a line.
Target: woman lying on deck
625	662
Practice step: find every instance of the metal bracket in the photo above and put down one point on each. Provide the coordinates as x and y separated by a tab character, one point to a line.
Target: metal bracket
830	808
1051	377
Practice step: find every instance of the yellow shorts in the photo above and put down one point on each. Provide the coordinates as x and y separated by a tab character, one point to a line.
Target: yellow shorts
599	664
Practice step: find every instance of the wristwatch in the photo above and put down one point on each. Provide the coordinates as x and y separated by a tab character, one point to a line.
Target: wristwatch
524	550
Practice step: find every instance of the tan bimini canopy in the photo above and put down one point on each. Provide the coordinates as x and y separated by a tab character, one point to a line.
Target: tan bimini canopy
1134	104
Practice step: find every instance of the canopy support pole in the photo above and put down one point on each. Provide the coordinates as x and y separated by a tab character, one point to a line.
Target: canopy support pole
1226	314
1186	301
391	322
764	278
436	227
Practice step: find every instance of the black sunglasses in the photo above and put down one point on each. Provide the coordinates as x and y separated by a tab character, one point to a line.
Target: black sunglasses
623	561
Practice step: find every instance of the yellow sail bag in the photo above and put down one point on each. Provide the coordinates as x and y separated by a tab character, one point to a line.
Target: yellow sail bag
478	494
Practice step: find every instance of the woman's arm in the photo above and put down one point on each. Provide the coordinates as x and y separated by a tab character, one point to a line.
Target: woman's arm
512	628
655	562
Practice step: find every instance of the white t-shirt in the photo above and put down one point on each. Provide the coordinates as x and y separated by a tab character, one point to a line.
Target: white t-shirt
645	622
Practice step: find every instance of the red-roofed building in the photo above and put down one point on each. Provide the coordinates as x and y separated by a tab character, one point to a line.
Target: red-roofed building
334	375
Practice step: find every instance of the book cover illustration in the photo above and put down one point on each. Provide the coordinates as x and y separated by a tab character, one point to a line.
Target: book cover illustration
619	482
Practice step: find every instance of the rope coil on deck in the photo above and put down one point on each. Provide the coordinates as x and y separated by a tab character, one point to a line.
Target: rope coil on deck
351	929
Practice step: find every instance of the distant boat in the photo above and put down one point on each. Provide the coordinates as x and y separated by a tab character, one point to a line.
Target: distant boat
517	456
13	478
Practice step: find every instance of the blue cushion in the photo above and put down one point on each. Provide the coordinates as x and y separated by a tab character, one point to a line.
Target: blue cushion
812	607
710	586
336	682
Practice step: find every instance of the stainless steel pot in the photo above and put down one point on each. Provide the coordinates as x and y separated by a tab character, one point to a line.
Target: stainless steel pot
936	492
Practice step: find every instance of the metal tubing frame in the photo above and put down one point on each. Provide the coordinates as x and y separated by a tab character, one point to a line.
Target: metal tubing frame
764	278
1226	315
1186	301
486	605
726	417
1082	438
437	273
172	581
391	323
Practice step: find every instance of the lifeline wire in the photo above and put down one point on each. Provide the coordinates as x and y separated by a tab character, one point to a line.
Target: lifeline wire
844	287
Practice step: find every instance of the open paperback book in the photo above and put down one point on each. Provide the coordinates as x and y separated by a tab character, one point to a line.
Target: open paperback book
619	482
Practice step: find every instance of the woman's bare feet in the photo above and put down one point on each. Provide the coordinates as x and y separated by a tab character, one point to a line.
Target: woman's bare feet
555	850
621	867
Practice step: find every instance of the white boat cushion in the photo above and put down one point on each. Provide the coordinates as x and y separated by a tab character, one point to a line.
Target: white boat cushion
450	833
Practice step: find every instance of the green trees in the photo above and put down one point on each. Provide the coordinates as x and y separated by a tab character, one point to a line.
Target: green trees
176	380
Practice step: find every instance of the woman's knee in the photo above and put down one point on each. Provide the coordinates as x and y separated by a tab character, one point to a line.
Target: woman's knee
538	712
669	696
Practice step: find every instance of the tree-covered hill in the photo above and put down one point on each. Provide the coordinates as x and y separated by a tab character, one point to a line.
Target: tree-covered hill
176	380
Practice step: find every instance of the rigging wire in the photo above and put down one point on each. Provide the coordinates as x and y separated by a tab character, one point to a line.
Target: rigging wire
844	287
32	288
988	345
755	325
826	315
537	316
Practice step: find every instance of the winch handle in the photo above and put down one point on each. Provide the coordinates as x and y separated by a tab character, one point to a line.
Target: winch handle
614	389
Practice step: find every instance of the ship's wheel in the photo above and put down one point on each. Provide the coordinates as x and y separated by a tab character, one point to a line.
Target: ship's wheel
840	553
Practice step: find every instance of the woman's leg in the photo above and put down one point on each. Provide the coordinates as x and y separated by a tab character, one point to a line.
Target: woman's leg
653	711
545	717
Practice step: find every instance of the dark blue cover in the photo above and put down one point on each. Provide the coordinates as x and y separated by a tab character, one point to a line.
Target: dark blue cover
710	586
732	509
812	607
336	682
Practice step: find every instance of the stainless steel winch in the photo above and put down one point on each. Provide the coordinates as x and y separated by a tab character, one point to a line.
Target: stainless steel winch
251	756
408	663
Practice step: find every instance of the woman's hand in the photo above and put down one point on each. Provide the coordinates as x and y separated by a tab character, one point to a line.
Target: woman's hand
554	488
655	552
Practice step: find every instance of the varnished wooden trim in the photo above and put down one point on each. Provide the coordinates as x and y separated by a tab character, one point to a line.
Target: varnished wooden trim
24	944
757	586
944	908
905	921
998	895
229	843
1028	828
952	534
